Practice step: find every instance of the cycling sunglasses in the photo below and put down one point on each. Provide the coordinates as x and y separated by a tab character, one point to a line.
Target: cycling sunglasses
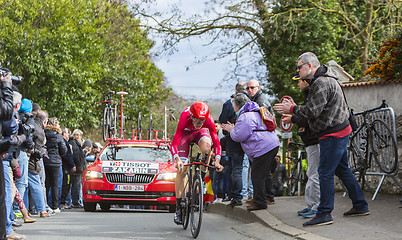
196	120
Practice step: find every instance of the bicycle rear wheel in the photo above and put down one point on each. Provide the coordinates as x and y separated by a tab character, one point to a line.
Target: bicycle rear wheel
384	146
196	206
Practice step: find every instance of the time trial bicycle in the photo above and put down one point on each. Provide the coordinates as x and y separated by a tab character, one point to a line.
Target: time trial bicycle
109	116
192	204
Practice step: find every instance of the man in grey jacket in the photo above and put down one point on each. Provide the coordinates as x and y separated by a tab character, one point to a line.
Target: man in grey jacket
327	114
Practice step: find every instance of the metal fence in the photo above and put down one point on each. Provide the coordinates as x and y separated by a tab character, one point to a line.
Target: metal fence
387	115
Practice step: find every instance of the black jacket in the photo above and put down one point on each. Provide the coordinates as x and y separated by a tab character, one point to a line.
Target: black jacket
68	160
39	137
308	137
55	146
6	101
262	100
78	156
6	112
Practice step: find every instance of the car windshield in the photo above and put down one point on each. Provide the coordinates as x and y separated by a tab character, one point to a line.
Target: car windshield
131	153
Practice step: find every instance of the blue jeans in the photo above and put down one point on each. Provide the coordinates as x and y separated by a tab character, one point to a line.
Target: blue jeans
75	188
36	190
236	161
247	191
334	161
8	199
22	182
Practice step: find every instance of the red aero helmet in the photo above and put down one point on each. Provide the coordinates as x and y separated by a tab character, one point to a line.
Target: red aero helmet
199	110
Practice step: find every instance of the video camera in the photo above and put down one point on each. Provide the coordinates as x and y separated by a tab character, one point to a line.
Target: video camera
16	79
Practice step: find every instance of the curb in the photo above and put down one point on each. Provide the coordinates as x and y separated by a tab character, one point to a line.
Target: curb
264	217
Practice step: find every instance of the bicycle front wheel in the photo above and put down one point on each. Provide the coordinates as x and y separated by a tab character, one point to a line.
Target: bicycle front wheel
384	147
196	206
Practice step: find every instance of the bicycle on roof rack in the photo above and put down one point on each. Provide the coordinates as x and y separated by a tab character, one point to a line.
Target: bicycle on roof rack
109	116
372	140
192	203
298	176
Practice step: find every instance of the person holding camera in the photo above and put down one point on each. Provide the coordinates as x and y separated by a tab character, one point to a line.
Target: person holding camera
6	114
26	126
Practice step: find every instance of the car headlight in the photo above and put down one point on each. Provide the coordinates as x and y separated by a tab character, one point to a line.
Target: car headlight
93	175
169	176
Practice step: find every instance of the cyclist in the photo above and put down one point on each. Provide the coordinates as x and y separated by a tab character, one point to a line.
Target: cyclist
195	124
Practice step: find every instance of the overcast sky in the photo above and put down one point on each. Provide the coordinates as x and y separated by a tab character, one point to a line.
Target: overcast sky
194	81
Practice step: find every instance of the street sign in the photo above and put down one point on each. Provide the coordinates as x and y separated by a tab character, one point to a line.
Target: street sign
287	135
286	99
286	127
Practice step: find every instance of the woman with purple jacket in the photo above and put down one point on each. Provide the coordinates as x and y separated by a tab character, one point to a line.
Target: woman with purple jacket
260	145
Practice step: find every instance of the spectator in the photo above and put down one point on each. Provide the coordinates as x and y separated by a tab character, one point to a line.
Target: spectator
279	176
310	140
6	114
56	148
234	151
260	145
327	114
80	164
256	95
68	169
219	178
87	146
93	154
39	139
41	118
26	127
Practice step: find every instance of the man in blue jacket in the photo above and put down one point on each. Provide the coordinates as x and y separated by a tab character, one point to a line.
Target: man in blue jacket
234	151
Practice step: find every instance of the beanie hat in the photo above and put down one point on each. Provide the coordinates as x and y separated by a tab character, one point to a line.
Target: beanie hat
87	143
26	106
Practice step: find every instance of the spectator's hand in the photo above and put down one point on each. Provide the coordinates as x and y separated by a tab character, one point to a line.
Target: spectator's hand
287	118
179	165
283	107
74	169
228	126
7	78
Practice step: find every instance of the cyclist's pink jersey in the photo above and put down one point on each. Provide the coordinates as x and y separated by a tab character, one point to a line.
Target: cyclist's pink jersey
186	133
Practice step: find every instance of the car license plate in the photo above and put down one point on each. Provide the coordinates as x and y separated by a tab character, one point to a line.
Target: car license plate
133	188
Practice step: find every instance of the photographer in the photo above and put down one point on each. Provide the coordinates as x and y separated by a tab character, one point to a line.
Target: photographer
6	113
26	128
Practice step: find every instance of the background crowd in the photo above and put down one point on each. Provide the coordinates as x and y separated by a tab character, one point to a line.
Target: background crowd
43	167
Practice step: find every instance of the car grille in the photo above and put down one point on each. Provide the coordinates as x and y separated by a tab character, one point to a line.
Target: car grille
123	194
122	178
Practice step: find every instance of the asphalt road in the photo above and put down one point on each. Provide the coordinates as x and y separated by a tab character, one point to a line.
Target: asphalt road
139	224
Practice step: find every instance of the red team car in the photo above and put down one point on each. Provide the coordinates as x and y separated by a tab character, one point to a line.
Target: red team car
131	172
